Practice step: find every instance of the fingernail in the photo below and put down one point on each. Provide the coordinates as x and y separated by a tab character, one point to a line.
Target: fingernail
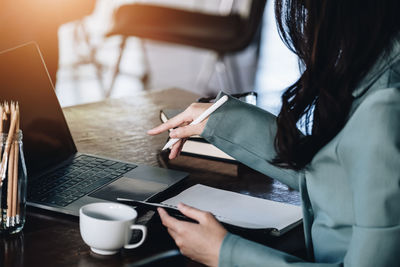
172	134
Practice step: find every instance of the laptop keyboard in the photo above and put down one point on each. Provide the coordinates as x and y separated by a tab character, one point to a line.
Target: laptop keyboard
84	175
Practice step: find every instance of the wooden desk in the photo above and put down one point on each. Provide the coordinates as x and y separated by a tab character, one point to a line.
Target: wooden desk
117	129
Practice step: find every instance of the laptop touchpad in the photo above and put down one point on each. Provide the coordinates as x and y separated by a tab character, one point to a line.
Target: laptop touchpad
129	188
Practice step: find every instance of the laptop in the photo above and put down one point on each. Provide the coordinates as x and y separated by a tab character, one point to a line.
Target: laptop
59	177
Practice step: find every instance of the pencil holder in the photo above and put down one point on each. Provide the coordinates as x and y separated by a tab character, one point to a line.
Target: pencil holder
13	184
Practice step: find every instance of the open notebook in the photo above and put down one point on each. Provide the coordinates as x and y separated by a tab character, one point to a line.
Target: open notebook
240	210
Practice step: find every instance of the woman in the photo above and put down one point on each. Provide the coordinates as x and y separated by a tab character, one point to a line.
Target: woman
346	166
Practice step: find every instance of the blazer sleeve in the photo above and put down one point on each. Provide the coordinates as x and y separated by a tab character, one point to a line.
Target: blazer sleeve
247	133
239	252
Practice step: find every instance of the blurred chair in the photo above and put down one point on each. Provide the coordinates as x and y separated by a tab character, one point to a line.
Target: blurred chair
88	42
223	34
81	35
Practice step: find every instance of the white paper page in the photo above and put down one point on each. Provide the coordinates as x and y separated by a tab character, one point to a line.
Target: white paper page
238	209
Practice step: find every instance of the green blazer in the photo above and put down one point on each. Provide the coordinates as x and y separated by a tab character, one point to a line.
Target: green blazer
350	191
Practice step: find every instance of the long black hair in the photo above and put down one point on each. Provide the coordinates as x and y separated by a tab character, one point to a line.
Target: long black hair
337	42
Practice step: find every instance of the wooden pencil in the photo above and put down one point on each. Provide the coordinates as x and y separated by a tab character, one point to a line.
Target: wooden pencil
19	196
6	112
7	148
15	180
10	169
15	195
10	185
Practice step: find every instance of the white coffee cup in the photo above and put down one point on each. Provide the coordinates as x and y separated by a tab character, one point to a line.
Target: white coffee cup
107	227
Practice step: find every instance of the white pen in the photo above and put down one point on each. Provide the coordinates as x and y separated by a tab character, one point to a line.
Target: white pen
199	119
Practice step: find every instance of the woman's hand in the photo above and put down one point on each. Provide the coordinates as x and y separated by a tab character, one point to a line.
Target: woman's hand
200	242
180	126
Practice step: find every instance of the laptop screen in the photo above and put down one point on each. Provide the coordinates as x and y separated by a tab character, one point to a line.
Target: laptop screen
46	137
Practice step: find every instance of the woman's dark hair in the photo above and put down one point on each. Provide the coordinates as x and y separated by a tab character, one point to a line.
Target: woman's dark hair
337	42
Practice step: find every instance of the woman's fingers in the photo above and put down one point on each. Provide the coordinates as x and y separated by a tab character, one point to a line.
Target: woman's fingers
170	124
174	226
183	140
172	233
187	131
180	127
199	241
176	149
187	116
183	133
198	215
168	221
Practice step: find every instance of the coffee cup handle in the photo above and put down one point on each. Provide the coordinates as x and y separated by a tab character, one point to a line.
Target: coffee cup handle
144	231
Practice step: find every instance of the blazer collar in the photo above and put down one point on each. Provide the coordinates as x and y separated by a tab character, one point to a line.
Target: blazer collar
381	65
